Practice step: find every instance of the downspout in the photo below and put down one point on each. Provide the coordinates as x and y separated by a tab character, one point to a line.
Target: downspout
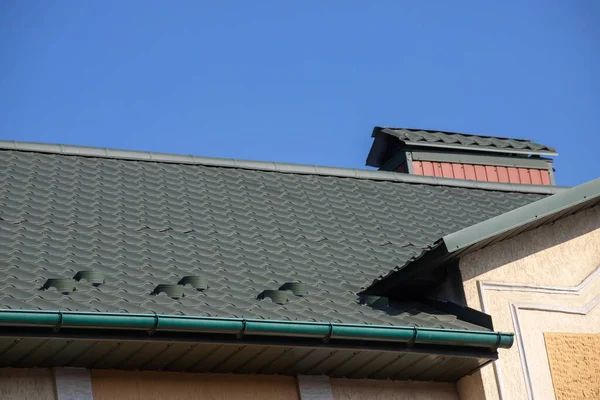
239	327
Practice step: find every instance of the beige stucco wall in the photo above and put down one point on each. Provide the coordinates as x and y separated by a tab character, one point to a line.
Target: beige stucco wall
20	383
545	280
137	385
368	389
575	365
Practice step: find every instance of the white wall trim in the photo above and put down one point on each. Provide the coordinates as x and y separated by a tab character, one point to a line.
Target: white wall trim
314	387
483	286
525	287
73	384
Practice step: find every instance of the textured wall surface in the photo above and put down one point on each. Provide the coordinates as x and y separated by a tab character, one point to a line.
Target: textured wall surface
548	280
367	389
73	384
136	385
314	387
555	254
575	365
471	387
24	384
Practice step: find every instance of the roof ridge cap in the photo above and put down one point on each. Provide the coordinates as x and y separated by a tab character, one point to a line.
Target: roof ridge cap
303	169
457	133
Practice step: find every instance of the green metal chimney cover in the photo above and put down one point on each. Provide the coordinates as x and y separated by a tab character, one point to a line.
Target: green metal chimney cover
93	277
277	296
197	282
173	291
62	285
298	288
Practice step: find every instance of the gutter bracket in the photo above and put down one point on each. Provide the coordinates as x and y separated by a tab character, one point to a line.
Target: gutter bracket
243	331
155	327
327	338
498	339
60	322
413	339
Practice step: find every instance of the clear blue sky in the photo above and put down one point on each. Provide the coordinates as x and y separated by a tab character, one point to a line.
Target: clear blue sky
302	81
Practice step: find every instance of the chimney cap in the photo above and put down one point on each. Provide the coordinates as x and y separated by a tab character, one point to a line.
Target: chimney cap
388	138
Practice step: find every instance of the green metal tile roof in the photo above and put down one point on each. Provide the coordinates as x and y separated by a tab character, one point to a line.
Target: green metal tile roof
245	227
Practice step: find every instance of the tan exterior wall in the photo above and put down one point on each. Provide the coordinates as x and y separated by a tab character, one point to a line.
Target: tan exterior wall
136	385
545	280
575	365
368	389
38	384
20	383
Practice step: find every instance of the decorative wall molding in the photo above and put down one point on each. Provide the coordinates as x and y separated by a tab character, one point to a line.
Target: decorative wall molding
516	307
483	286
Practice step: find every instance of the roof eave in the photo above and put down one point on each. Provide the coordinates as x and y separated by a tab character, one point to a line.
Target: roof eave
240	327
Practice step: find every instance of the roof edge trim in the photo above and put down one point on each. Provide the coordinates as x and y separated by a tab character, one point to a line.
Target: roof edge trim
302	169
522	216
239	327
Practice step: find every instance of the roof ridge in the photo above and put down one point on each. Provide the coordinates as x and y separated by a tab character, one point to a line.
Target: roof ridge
269	166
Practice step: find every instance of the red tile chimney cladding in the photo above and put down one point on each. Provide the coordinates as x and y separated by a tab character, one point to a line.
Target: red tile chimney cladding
459	156
474	172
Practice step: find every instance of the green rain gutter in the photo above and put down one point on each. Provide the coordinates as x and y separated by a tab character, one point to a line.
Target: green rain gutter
325	331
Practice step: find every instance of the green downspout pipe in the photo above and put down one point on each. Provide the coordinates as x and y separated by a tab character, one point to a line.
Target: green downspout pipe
240	327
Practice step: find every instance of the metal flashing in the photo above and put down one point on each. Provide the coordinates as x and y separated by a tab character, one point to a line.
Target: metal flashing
551	174
477	148
62	285
477	159
173	291
374	301
272	167
92	277
199	283
277	296
409	163
297	288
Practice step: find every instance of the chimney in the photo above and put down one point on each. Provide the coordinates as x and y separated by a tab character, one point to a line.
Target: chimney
460	156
